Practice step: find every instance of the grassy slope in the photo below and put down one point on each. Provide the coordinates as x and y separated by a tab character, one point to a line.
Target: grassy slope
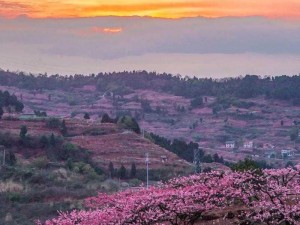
36	187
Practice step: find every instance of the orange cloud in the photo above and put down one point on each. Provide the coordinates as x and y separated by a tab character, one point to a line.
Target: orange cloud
99	30
107	29
161	8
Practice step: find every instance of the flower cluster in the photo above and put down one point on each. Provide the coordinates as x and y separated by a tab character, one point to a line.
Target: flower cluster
268	196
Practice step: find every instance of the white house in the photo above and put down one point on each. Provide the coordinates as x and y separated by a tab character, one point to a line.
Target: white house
285	153
248	144
230	144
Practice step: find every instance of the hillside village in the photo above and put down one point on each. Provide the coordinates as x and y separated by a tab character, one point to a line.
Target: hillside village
263	130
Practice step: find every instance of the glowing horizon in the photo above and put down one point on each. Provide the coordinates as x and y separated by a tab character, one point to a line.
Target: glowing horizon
289	9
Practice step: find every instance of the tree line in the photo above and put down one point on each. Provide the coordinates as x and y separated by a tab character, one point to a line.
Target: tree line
120	83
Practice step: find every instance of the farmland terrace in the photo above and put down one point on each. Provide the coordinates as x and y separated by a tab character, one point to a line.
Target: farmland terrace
262	121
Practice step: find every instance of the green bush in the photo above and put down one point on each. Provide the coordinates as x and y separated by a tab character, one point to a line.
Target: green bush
127	122
197	102
40	162
53	122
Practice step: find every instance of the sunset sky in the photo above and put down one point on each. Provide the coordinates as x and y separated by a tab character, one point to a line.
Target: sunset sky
158	8
202	38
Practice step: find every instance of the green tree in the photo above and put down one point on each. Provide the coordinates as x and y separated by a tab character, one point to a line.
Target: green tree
86	116
19	106
1	112
44	141
289	164
207	170
52	140
106	119
10	159
294	134
216	109
63	128
23	131
197	102
133	170
207	158
111	169
245	165
216	157
130	123
122	172
53	123
69	150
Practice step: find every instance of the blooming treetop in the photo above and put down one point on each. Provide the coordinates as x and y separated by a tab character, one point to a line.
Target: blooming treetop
268	196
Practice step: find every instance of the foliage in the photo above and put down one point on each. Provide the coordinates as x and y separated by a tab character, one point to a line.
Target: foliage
179	147
23	132
268	198
6	139
40	113
7	100
53	122
10	158
63	128
133	170
245	165
122	172
44	141
106	119
86	116
111	170
130	123
279	87
52	140
197	102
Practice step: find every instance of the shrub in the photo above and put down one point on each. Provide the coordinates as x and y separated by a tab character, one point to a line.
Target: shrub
40	162
53	123
197	102
130	123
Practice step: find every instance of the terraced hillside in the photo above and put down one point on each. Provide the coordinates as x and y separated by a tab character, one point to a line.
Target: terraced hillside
264	121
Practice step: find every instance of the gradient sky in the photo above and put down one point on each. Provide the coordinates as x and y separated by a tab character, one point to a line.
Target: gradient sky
208	38
158	8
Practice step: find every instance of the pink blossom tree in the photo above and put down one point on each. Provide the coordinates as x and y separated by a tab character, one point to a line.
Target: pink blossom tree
268	196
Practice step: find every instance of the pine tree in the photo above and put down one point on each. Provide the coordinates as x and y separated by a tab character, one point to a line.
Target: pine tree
111	169
44	141
86	116
52	140
63	128
23	131
133	170
122	172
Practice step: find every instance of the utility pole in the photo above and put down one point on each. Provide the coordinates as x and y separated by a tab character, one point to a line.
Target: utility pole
143	133
147	168
197	160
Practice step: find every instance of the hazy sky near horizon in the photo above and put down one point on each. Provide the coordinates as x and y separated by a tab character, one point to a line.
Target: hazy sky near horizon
217	39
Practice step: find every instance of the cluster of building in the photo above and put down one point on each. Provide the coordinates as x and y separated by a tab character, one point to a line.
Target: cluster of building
267	149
